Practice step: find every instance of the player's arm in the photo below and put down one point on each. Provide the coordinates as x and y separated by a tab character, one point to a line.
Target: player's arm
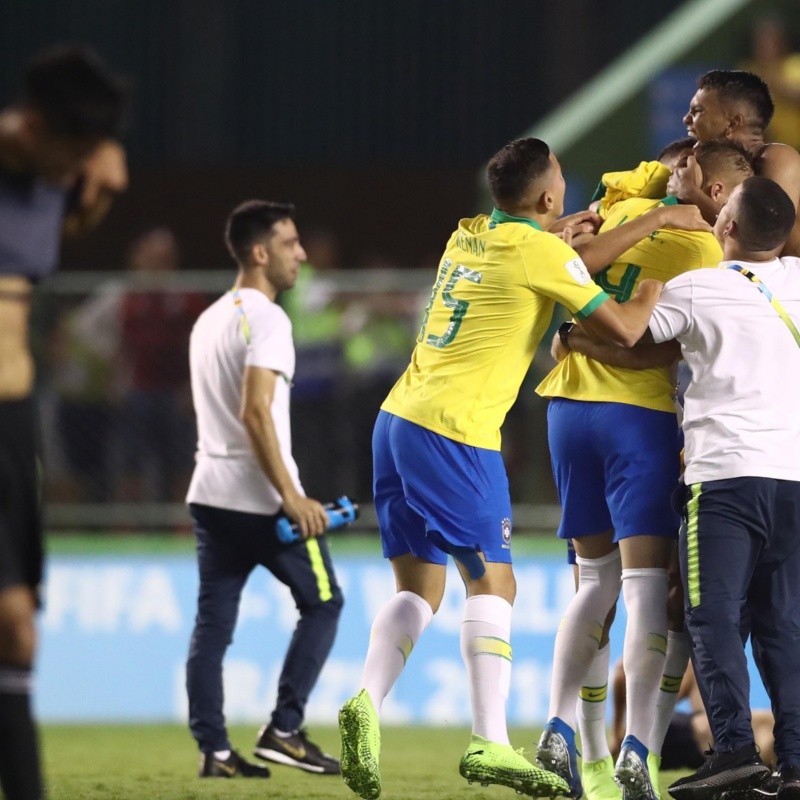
644	355
597	252
104	175
686	184
258	391
581	222
623	324
781	163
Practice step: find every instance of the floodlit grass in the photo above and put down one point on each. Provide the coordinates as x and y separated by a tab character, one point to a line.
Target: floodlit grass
123	762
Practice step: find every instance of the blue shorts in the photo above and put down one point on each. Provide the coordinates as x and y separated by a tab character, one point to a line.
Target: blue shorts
432	492
615	466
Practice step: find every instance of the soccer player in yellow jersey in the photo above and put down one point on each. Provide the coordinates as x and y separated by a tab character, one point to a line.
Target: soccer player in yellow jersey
440	484
614	444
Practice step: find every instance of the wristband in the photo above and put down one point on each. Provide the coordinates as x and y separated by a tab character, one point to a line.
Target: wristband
564	331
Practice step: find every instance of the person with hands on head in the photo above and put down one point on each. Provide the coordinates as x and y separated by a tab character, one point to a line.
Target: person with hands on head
737	105
242	360
55	141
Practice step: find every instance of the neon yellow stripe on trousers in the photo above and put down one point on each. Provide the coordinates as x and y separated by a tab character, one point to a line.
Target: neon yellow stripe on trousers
320	573
692	545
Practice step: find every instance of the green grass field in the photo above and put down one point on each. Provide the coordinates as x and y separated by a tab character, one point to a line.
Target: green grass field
134	762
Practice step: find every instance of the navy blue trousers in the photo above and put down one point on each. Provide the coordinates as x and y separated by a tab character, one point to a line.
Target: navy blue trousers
740	564
230	544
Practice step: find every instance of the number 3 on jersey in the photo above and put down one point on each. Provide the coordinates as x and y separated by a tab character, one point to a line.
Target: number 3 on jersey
459	306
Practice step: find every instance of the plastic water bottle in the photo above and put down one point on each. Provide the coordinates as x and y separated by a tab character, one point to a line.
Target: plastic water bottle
341	512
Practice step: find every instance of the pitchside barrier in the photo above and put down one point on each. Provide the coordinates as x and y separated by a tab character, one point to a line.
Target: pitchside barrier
115	633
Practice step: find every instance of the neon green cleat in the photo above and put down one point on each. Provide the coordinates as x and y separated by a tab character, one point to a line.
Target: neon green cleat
361	746
488	762
598	780
654	768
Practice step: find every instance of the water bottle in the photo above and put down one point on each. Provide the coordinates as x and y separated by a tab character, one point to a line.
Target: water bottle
341	512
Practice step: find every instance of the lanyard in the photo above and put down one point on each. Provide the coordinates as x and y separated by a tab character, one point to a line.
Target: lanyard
237	301
774	302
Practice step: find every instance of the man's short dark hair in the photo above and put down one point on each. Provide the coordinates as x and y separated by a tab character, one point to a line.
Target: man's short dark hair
78	96
674	149
718	156
251	222
765	216
739	86
512	169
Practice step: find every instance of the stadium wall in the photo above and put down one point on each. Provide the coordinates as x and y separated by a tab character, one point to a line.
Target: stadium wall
116	628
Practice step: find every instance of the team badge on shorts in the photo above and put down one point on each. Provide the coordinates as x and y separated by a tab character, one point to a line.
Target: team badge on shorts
505	527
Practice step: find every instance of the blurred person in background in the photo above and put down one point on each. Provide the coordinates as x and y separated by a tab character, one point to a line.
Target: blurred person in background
156	421
773	60
242	364
315	310
60	168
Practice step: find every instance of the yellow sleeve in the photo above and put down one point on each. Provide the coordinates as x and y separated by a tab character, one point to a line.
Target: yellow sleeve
556	271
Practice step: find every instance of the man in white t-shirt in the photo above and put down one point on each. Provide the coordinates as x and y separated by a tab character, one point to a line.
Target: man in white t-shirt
740	537
242	361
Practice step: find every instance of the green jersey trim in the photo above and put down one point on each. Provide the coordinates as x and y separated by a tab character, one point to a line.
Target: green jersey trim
596	301
498	217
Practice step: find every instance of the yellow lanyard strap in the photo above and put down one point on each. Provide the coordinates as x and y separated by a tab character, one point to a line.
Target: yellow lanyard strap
774	302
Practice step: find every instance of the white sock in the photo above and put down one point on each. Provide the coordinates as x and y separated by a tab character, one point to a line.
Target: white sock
678	652
395	631
580	632
222	755
486	650
592	707
645	593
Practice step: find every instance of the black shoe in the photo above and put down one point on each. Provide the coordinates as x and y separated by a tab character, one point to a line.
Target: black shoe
234	766
768	790
722	772
789	786
295	750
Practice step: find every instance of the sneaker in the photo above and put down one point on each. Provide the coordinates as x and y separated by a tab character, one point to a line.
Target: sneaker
361	746
489	762
654	768
295	750
234	766
789	783
722	772
768	790
598	780
557	753
631	772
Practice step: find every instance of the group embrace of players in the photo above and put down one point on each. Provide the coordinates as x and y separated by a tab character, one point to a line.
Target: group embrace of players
715	219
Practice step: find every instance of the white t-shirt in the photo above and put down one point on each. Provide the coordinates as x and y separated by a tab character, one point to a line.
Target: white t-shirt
227	473
741	405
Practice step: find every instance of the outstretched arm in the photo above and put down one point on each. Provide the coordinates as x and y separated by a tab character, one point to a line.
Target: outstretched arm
644	355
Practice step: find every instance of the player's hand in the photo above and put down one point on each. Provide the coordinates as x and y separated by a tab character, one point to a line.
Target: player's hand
685	181
649	288
580	222
310	516
685	218
557	349
103	176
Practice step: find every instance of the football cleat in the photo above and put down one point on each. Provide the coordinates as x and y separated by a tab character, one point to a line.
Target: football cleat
361	746
486	763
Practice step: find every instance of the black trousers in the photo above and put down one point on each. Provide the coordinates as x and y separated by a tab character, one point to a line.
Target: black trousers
230	544
740	564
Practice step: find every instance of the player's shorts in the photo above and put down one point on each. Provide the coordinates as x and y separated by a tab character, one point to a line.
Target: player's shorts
429	488
615	466
572	556
21	550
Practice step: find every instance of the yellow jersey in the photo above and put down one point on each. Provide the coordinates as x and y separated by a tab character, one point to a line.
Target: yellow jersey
494	295
662	255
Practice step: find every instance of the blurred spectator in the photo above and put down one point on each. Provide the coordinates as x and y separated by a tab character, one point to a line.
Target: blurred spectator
317	409
773	61
157	422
